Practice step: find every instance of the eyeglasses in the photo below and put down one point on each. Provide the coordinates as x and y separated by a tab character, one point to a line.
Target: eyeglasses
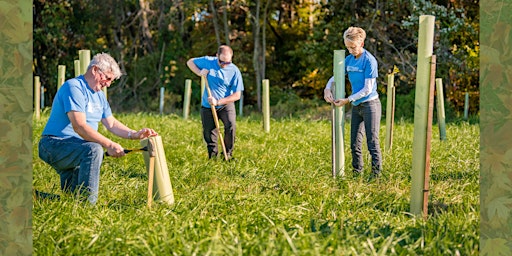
107	78
224	62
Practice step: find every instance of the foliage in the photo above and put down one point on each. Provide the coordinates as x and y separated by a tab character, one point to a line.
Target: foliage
496	153
392	37
154	41
277	198
456	49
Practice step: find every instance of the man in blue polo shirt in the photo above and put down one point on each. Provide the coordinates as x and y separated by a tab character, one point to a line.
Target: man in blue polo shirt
70	142
226	85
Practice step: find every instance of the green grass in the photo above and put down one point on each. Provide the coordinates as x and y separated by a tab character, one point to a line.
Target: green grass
277	198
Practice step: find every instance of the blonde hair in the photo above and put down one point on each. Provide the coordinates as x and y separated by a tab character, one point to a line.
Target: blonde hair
105	63
354	34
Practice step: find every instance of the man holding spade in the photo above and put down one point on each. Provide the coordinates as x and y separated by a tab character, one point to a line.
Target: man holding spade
224	86
70	142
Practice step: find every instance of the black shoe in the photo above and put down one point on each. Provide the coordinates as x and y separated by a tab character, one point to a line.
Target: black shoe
374	176
212	155
44	195
357	175
230	158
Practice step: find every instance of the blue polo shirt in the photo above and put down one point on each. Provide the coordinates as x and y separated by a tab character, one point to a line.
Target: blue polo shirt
76	95
222	81
360	69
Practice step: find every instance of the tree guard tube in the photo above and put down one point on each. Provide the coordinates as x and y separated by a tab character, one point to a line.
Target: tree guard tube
162	188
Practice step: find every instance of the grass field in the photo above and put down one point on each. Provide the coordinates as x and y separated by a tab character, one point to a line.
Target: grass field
277	198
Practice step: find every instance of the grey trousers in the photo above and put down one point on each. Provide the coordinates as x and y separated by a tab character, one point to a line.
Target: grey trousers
226	114
366	120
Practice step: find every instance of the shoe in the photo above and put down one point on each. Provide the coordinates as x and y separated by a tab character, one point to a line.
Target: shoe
212	155
357	174
230	158
374	176
44	195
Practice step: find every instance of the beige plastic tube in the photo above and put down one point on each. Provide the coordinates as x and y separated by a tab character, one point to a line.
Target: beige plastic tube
390	113
162	188
441	118
186	98
61	75
77	67
266	105
37	97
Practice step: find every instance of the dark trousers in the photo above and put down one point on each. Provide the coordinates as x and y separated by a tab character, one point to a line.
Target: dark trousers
366	120
227	114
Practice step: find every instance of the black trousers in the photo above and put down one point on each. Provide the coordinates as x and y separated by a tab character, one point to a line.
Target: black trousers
226	114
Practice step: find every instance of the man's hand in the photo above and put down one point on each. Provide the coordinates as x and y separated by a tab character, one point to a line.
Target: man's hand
212	101
144	133
115	150
204	72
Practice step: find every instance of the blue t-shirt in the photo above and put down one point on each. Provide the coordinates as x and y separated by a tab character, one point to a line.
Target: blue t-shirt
76	95
222	81
360	69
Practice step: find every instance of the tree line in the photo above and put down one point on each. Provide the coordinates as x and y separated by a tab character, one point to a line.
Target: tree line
289	42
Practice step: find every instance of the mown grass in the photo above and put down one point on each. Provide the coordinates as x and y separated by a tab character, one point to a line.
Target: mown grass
277	198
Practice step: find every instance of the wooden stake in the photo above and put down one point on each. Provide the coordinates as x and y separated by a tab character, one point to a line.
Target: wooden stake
429	134
151	152
333	134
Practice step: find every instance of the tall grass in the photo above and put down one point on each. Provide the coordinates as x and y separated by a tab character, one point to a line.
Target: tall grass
277	198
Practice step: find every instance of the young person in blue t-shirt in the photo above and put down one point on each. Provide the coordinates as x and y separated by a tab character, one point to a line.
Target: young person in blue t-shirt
70	142
226	85
362	70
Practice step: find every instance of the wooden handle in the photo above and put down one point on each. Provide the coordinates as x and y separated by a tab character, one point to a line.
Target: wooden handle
216	120
150	179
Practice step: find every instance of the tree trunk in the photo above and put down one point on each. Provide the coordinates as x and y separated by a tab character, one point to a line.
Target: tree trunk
226	24
146	32
215	23
264	41
257	52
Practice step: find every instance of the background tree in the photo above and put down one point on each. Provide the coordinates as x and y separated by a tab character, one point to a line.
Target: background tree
289	42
